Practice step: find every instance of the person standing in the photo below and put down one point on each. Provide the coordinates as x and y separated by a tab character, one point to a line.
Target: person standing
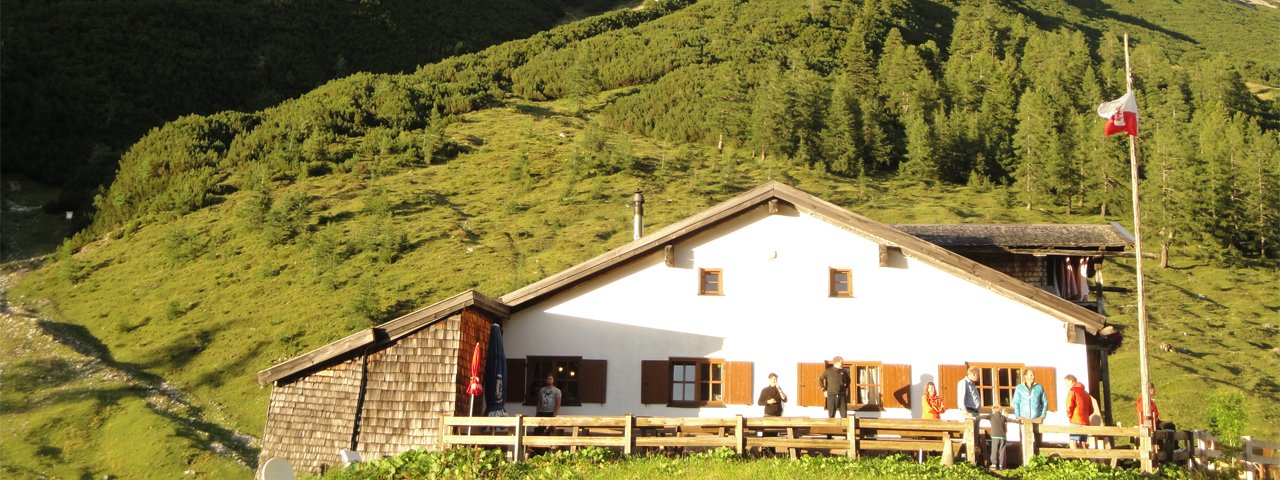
967	394
933	406
1079	408
772	397
835	387
1029	402
549	400
1155	412
998	436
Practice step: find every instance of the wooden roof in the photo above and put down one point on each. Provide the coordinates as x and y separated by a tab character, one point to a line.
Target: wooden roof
384	333
910	245
1094	237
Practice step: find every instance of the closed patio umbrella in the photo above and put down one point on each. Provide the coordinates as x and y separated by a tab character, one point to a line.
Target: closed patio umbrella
473	385
495	377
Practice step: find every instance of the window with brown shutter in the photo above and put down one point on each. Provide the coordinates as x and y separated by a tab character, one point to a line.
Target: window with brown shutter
1047	377
897	385
841	282
997	382
710	281
655	382
809	394
866	385
948	378
516	380
564	369
738	376
697	382
593	381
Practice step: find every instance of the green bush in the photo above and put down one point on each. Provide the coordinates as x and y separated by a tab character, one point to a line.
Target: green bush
1227	416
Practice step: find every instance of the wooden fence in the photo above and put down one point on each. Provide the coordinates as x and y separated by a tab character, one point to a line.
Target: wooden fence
1260	459
631	434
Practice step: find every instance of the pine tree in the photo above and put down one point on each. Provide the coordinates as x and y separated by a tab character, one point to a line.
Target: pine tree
769	117
842	137
1261	175
921	161
1037	142
1171	189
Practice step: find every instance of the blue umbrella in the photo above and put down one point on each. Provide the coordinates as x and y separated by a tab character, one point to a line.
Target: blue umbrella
495	377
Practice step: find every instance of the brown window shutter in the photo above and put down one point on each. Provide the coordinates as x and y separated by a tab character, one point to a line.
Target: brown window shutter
897	385
948	377
739	379
655	382
1047	377
591	385
517	384
810	394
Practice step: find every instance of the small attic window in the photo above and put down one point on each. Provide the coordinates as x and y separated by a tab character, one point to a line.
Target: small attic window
710	281
841	282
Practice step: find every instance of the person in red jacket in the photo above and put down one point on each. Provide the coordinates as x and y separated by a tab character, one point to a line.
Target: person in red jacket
1155	412
933	407
1079	408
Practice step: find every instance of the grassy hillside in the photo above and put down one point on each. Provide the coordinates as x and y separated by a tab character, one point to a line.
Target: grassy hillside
233	241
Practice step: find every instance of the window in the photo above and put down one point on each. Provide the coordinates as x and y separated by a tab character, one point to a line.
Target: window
710	282
872	385
841	282
565	369
866	384
997	382
697	381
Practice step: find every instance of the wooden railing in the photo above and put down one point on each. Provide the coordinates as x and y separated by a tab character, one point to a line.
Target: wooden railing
1260	459
631	434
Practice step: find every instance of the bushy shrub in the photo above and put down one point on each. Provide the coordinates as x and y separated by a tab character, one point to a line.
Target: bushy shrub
1227	416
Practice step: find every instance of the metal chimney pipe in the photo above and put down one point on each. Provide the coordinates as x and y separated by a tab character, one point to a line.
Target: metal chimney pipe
637	204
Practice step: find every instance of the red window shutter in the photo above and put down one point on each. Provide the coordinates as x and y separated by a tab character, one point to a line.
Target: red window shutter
810	394
738	376
655	382
948	377
591	383
1047	378
897	385
517	384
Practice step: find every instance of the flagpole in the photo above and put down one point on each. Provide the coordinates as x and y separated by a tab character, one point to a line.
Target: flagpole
1143	368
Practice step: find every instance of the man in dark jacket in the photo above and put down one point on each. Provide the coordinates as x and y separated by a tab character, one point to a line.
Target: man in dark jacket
772	397
835	386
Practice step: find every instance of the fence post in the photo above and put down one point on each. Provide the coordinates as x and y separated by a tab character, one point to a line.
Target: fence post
518	447
1028	435
628	431
740	437
851	433
948	450
1247	457
1146	453
971	439
444	430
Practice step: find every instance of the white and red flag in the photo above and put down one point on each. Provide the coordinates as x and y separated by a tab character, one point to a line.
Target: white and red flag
1121	115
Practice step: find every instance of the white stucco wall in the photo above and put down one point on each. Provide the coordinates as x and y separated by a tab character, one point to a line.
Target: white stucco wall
776	312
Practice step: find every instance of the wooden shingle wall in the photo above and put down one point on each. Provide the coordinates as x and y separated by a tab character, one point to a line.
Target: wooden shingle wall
409	386
473	329
312	417
1028	268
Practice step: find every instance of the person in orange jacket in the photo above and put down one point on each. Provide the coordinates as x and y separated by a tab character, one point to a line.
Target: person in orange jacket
1079	408
933	407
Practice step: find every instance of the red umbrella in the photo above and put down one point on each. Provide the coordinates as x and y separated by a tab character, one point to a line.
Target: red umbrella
473	387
